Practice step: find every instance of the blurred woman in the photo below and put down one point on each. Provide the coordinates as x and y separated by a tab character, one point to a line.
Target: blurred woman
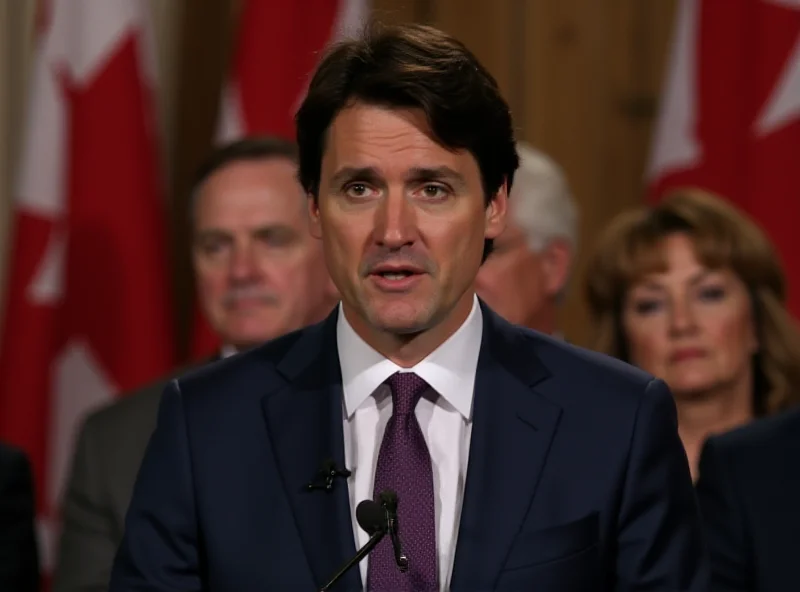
692	292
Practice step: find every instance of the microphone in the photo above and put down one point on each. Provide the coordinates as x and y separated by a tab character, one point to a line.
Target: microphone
326	474
389	503
372	518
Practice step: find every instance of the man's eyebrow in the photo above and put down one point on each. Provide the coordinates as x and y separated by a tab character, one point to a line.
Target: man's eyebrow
416	175
366	174
209	233
441	173
274	229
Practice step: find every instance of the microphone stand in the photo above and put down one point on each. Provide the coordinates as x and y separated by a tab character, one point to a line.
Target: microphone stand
362	552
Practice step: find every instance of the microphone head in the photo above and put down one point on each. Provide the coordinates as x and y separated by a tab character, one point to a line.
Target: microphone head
371	517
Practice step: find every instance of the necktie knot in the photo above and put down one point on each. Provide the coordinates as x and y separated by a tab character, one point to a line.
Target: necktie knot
407	388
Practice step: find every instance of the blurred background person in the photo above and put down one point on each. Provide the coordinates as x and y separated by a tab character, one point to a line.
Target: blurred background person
691	291
19	558
527	272
748	490
260	274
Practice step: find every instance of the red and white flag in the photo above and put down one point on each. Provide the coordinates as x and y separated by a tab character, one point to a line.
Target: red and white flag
88	312
730	114
278	45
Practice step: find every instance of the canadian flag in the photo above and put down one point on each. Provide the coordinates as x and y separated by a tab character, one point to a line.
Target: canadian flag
730	114
275	55
88	310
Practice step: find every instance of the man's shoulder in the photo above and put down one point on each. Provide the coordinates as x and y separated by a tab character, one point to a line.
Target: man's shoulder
757	461
12	458
257	366
132	411
756	442
561	353
135	408
578	371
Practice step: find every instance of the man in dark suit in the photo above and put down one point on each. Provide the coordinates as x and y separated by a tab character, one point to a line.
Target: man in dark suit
519	462
19	559
749	492
260	274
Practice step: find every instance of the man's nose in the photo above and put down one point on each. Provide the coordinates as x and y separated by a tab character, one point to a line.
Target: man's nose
242	263
395	221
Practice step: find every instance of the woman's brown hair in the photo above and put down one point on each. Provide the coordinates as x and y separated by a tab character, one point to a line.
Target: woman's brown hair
723	237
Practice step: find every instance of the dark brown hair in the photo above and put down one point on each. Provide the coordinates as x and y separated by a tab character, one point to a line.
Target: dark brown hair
244	149
723	237
412	67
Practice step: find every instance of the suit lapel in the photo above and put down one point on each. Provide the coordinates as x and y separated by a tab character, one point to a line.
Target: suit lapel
511	434
305	426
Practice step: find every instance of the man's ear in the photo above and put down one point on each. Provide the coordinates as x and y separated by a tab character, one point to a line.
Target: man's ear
496	213
313	216
557	263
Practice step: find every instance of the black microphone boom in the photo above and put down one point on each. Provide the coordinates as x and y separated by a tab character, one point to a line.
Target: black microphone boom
372	518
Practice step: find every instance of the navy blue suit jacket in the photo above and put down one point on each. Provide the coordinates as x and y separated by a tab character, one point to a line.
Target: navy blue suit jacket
576	480
749	493
19	556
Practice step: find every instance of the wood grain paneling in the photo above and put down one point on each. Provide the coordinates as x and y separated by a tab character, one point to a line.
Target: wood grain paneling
484	27
401	11
206	33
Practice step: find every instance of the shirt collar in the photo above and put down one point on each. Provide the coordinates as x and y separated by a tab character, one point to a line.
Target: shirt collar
450	369
227	351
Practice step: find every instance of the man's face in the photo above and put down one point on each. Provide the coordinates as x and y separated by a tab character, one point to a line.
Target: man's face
402	219
521	284
260	274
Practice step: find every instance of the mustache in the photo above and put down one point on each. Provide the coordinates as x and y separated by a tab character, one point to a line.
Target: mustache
234	295
397	257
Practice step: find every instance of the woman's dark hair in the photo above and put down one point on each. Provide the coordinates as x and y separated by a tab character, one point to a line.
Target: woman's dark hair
412	67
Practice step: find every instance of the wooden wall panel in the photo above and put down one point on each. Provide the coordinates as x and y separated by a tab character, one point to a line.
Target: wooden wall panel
485	28
206	33
567	101
401	11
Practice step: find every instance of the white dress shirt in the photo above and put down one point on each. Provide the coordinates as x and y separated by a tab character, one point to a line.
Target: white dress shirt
226	351
445	417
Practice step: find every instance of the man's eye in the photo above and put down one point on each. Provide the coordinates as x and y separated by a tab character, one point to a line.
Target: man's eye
211	247
434	191
358	190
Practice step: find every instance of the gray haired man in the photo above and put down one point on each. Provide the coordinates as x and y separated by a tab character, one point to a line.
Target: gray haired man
525	276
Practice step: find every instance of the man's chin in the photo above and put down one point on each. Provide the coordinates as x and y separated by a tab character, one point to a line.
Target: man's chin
400	321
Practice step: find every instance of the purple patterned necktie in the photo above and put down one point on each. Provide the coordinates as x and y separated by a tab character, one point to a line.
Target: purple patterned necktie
404	466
